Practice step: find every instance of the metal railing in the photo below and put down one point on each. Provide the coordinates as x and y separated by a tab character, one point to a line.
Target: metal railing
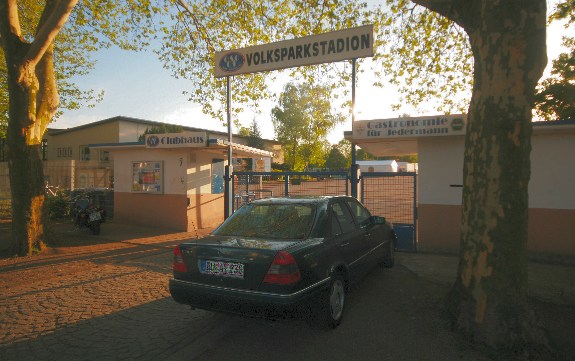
249	186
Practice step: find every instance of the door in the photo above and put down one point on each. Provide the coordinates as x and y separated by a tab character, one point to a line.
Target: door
354	242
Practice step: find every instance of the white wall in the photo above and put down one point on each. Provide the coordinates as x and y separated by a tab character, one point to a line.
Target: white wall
440	165
174	171
199	173
552	182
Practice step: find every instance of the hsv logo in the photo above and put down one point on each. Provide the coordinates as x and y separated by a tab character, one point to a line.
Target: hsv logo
457	124
232	61
153	141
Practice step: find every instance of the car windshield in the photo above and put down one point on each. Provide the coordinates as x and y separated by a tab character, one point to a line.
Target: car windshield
278	221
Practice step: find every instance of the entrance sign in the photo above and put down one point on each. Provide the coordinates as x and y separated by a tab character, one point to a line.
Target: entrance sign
440	125
177	140
316	49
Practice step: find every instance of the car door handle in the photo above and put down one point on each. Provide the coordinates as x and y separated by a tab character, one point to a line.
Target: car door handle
344	244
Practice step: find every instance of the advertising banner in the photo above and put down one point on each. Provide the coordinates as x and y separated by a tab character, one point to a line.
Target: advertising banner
439	125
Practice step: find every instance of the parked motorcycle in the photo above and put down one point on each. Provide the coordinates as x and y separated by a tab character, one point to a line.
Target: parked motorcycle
87	215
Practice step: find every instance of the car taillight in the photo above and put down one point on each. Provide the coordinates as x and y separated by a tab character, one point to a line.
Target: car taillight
283	270
178	264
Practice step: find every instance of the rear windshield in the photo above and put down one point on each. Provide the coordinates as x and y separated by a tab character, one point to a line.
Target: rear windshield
279	221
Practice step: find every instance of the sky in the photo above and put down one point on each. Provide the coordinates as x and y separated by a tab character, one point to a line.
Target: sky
137	86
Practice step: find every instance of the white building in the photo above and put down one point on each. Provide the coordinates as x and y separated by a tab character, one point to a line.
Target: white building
371	166
439	143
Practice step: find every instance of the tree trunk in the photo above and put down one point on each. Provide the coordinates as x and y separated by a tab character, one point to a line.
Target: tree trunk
33	102
489	298
26	182
24	139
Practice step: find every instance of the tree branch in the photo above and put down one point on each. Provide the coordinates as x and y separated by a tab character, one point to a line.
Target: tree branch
203	32
58	11
454	10
13	19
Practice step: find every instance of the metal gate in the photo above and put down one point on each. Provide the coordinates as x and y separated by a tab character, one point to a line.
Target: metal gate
254	185
393	196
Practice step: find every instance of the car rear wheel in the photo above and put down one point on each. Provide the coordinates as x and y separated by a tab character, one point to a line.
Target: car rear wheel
333	304
389	258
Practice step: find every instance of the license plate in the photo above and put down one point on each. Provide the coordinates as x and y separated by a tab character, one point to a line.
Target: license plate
222	268
95	216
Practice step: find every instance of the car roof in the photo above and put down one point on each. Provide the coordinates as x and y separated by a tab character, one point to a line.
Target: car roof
299	199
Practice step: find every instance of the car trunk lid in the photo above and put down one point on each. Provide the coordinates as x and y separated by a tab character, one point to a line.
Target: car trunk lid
231	261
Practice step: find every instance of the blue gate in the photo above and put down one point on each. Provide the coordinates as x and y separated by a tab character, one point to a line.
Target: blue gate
393	196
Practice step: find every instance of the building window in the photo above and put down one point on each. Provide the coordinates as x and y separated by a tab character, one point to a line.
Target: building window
147	177
104	156
64	152
84	153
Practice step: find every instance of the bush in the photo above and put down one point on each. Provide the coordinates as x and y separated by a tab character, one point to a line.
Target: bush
58	206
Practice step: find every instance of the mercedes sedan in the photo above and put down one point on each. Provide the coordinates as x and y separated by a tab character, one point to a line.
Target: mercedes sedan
280	257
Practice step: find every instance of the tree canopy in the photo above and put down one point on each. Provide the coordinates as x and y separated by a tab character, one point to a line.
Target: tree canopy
555	98
197	31
336	160
92	25
161	129
425	55
302	121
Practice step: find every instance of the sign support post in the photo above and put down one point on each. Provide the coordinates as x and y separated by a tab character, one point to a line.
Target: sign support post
354	176
228	184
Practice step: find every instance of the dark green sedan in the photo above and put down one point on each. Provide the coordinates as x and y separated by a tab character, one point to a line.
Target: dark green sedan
280	257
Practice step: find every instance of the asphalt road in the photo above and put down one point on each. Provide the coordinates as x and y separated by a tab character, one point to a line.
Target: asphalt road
112	303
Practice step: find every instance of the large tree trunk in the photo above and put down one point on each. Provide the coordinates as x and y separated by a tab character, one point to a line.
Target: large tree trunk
489	298
27	123
33	103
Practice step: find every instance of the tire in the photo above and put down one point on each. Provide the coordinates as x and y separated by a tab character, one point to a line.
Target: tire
95	227
332	304
389	257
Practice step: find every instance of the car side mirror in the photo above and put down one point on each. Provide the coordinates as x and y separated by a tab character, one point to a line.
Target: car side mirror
377	220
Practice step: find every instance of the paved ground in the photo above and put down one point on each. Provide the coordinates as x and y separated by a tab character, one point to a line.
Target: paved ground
105	298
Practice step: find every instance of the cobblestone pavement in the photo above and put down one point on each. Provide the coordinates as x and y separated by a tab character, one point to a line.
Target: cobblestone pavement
102	302
106	298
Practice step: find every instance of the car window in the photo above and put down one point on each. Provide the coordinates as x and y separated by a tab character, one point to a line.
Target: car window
335	227
343	217
360	212
322	223
278	221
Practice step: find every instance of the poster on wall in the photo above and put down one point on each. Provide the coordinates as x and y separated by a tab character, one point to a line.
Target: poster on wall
218	172
147	177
